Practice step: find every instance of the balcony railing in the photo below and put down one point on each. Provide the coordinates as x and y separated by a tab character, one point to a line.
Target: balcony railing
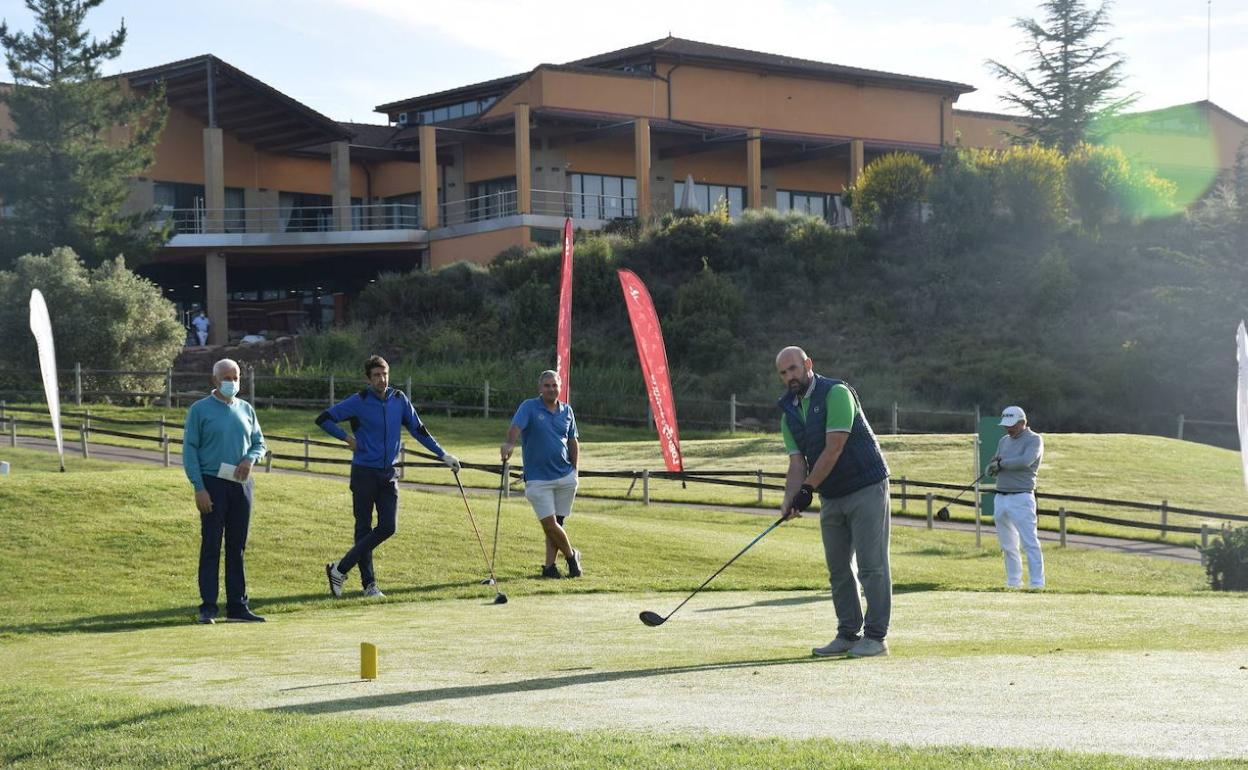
297	219
503	203
583	205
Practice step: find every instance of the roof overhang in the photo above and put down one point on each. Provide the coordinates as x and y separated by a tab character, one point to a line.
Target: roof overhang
225	97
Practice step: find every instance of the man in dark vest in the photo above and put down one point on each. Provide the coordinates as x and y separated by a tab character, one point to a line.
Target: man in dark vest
832	451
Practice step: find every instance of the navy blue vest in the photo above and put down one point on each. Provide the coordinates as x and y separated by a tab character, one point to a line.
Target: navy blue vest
860	465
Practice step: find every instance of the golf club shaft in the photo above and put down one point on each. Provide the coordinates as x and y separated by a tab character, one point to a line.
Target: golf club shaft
968	487
476	531
498	514
774	524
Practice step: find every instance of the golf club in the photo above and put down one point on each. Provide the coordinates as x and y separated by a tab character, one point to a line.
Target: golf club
655	619
943	513
498	515
499	596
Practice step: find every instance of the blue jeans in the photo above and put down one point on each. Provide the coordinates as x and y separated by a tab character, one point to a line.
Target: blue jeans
230	518
371	487
857	525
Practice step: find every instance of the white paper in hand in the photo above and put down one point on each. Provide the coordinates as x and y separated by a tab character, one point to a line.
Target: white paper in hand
227	472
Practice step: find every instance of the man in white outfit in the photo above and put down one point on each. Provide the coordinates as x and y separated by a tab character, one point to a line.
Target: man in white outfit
1014	510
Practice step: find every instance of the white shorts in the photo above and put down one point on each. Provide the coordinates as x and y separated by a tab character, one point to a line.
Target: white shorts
551	498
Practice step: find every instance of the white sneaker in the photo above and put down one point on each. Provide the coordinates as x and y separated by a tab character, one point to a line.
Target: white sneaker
868	648
373	592
335	578
837	646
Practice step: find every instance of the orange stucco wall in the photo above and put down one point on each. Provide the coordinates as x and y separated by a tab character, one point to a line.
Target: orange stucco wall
612	156
1228	134
488	161
722	166
983	131
395	178
827	175
480	247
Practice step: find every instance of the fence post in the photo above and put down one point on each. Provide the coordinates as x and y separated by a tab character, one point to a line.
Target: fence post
649	416
894	418
164	440
402	457
1180	433
1204	538
331	389
929	510
409	386
251	383
78	384
82	431
1061	526
486	409
89	419
12	430
307	447
1165	514
903	494
760	486
645	487
506	480
732	427
268	462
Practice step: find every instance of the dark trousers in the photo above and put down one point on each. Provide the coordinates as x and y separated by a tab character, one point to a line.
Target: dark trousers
371	488
229	518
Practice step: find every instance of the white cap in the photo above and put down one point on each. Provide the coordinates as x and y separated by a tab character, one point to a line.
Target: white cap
1011	415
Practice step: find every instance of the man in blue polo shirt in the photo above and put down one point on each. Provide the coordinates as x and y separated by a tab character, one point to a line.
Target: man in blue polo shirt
833	451
378	415
222	430
551	445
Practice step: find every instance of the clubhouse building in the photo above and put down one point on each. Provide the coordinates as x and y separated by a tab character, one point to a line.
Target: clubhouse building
281	215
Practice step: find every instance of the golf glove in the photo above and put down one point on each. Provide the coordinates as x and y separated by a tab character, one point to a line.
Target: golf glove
804	497
994	467
451	462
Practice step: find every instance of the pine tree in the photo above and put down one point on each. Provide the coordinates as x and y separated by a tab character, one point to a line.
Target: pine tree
1073	76
79	139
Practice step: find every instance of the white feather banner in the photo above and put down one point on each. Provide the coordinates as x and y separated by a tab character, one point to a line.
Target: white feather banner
41	327
1241	401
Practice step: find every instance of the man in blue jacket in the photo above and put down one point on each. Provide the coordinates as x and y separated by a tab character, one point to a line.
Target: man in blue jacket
222	430
378	415
833	451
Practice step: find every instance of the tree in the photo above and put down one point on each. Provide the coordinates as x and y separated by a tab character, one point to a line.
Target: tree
1073	76
105	318
78	141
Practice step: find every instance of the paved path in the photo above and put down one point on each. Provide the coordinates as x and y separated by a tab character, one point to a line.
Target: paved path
1119	545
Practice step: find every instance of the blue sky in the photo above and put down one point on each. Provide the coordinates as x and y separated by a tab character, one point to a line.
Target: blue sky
344	57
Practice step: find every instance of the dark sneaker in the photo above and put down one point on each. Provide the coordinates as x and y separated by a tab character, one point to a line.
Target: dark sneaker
205	619
335	578
574	564
550	571
243	616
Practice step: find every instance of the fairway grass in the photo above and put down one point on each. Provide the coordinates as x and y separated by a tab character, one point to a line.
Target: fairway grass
1011	671
101	665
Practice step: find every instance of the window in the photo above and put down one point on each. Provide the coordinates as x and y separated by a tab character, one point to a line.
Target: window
596	196
235	217
454	111
402	212
823	205
706	197
304	212
492	198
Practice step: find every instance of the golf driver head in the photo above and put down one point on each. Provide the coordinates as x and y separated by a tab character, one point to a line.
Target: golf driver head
501	598
487	582
943	514
652	618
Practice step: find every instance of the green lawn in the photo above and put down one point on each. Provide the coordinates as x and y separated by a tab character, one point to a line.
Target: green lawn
104	668
1146	469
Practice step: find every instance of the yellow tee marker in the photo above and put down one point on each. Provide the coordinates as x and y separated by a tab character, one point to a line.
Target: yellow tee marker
368	661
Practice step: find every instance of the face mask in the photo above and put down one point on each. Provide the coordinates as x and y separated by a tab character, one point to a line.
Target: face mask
228	388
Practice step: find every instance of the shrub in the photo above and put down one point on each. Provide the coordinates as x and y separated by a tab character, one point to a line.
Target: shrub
890	190
1226	560
106	318
961	193
1099	181
1031	184
459	289
703	329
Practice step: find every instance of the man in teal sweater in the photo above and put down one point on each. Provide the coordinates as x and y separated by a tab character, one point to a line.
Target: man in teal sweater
222	430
